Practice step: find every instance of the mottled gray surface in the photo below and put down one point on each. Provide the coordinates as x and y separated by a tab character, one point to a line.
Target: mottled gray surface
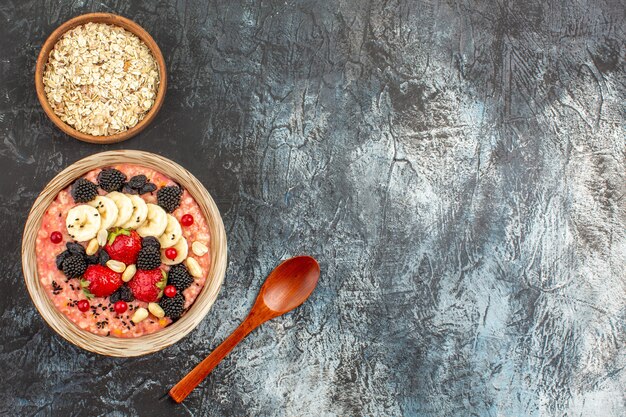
457	167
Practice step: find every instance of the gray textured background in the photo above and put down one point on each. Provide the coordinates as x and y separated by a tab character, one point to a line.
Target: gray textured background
456	166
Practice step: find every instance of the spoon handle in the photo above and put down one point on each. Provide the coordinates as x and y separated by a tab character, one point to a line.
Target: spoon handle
184	387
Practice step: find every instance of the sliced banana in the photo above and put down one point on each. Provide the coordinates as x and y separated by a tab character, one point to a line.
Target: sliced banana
139	215
181	253
124	207
172	234
82	222
156	222
108	211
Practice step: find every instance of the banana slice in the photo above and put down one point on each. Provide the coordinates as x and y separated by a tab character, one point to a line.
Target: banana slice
108	211
82	222
124	207
140	212
181	253
172	234
156	222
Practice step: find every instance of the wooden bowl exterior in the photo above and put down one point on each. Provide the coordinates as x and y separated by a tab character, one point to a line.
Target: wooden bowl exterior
113	346
111	19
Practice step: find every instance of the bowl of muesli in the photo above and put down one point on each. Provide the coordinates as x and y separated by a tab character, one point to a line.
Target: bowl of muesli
100	78
124	253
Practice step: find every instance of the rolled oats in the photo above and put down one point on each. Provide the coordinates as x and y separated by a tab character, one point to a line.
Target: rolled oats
101	79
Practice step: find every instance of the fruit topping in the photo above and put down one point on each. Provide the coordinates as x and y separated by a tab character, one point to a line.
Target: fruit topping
178	254
148	188
173	307
171	253
120	307
73	266
149	258
172	233
103	257
150	241
75	248
56	237
111	179
123	293
137	181
82	222
124	207
83	305
83	190
124	246
147	285
154	223
179	277
100	281
139	184
139	213
186	220
107	209
169	197
169	291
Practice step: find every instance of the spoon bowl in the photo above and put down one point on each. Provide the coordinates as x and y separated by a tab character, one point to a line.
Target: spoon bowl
290	284
286	287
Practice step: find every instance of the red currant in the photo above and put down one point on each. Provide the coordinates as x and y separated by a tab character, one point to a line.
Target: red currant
170	291
120	307
56	237
170	253
186	220
83	305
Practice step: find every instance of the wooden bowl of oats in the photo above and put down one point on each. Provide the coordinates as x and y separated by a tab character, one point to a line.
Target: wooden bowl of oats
100	78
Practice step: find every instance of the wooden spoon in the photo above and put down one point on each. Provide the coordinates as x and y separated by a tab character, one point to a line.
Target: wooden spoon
287	286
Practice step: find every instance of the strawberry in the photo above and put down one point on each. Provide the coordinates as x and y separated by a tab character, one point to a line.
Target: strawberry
148	285
124	246
100	281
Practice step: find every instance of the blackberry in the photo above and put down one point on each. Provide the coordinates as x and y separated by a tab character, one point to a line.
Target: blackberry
122	294
111	179
60	258
179	277
74	266
169	197
150	241
149	258
137	181
173	307
83	190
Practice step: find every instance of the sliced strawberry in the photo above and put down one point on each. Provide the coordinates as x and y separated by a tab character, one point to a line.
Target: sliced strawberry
100	281
148	285
124	246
